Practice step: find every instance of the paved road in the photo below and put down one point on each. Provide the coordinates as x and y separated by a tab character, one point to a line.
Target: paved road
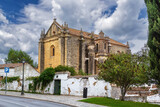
8	101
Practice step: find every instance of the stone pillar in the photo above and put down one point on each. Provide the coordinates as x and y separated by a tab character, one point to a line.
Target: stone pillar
91	63
67	50
41	56
64	44
41	52
80	49
109	47
101	42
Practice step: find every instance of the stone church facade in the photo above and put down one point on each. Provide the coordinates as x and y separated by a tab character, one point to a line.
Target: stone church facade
62	45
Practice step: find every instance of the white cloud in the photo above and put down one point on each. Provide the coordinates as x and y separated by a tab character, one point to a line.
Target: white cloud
3	18
91	15
25	36
138	44
81	13
124	25
2	61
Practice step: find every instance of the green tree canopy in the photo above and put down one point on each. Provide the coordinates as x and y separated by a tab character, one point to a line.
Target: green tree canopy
153	9
17	56
124	70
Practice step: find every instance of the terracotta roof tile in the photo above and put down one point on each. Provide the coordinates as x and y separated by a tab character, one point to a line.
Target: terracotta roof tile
11	65
117	43
77	33
87	35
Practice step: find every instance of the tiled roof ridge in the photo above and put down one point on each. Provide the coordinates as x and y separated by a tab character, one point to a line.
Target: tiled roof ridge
80	30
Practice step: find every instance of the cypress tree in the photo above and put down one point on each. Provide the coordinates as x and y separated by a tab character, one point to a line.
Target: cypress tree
153	10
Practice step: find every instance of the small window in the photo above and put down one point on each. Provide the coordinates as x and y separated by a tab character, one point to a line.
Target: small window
52	49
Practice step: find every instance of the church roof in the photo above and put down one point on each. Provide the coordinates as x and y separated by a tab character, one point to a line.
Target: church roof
87	35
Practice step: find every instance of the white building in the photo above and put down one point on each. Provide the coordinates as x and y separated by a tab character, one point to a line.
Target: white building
16	69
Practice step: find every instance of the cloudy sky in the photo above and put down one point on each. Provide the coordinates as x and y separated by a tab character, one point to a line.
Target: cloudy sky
22	20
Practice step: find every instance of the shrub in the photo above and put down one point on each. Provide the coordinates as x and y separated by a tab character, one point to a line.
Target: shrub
36	82
11	79
46	77
65	68
80	72
30	86
31	78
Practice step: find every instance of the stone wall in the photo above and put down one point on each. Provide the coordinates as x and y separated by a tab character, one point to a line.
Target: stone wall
73	53
117	48
49	60
136	98
74	85
15	85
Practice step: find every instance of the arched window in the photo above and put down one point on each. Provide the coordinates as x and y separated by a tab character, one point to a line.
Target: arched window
104	45
96	47
86	51
52	49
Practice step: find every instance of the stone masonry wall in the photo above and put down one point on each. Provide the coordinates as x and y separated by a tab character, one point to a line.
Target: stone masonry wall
49	60
73	52
116	48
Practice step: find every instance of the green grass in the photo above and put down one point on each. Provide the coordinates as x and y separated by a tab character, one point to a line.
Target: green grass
116	103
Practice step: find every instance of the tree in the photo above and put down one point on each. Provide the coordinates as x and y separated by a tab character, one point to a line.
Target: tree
35	65
123	70
15	56
153	9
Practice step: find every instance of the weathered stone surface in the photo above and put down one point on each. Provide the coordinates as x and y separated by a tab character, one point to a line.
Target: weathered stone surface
70	48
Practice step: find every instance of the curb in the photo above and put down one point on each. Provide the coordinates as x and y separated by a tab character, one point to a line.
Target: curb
39	99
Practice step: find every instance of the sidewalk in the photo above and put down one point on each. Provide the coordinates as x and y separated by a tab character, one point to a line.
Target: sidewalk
69	100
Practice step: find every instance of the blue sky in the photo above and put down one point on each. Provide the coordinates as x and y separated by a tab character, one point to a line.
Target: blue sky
22	20
12	8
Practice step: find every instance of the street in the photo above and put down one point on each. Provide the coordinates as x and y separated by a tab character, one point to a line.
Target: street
9	101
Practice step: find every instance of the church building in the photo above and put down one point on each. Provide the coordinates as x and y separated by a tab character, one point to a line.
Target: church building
62	45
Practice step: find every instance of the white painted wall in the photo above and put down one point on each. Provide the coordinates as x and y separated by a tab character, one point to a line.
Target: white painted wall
29	71
10	74
74	85
71	85
16	85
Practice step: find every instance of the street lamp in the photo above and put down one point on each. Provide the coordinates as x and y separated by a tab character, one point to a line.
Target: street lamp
22	92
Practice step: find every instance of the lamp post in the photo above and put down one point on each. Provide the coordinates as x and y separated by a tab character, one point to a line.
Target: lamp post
22	92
